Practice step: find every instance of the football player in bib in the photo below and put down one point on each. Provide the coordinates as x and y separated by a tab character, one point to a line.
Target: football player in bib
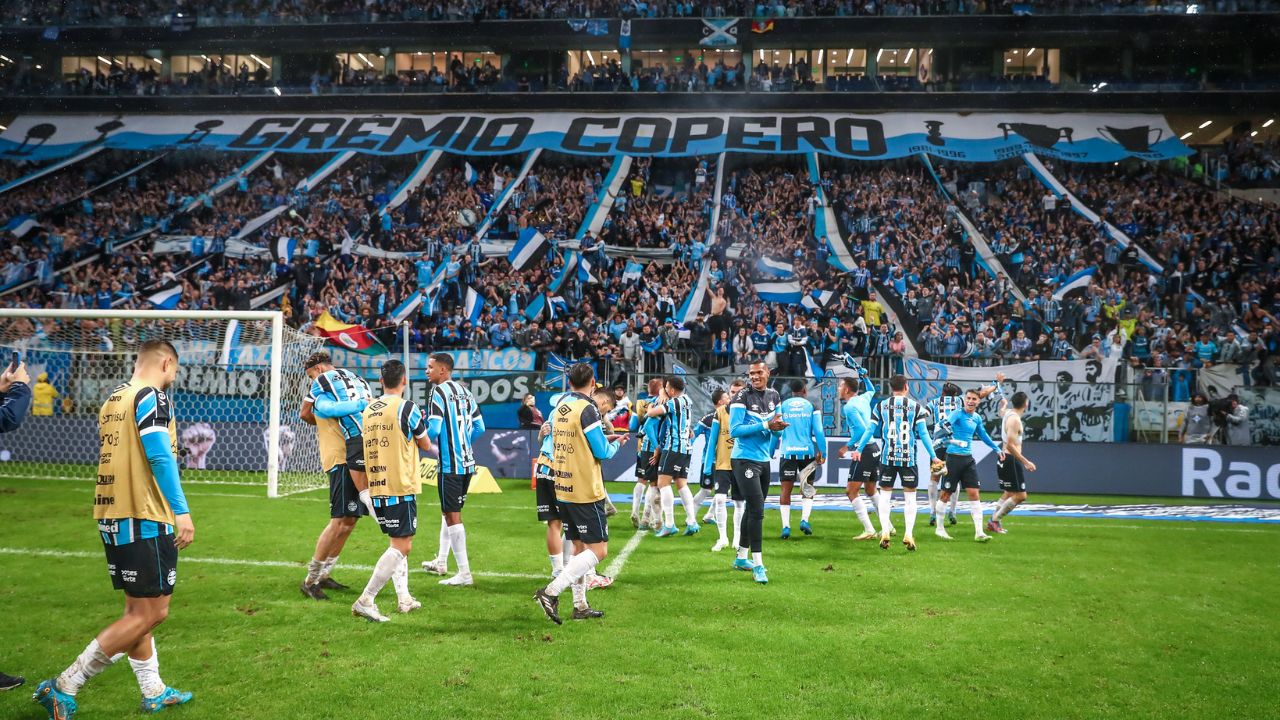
144	520
395	429
940	410
856	396
803	446
755	425
676	411
899	422
578	447
1009	471
717	465
962	471
335	398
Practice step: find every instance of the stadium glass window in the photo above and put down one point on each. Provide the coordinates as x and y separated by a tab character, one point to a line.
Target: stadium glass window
581	59
675	58
842	61
360	67
94	64
904	62
224	64
1031	63
436	66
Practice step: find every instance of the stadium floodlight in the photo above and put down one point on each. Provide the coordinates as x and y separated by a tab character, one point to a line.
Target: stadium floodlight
1267	124
236	399
1185	135
1205	124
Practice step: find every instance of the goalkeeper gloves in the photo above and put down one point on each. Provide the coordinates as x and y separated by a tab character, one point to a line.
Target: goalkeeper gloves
938	467
368	502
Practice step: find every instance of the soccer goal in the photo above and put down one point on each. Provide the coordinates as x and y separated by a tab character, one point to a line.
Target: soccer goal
239	388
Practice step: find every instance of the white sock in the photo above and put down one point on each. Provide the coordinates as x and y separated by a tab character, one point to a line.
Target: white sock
653	505
975	512
955	498
739	507
718	506
742	553
566	554
579	589
313	571
786	515
91	662
933	495
806	509
668	506
557	563
148	673
400	580
327	567
1005	508
382	572
637	497
909	508
442	555
860	507
757	558
458	543
940	510
579	566
690	507
883	507
702	496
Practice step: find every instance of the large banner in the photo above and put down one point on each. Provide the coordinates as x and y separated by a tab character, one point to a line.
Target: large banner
974	137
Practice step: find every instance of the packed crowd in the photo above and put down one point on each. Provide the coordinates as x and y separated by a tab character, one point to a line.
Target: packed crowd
1249	164
166	12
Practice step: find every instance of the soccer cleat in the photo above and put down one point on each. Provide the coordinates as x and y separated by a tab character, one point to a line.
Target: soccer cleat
459	580
720	545
933	520
369	612
951	518
866	536
743	564
805	527
549	604
313	591
708	519
758	574
635	520
329	583
644	525
884	540
9	682
981	537
59	705
991	526
669	531
910	542
941	532
692	529
168	698
596	582
587	613
408	605
435	568
786	533
1000	527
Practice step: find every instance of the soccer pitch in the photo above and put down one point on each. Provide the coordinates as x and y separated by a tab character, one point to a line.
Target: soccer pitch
1060	618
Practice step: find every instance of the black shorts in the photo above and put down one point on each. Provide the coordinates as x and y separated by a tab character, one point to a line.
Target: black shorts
747	473
585	522
940	450
889	474
647	467
674	464
868	468
144	568
397	516
355	453
962	472
453	491
723	480
1010	475
789	468
545	495
344	500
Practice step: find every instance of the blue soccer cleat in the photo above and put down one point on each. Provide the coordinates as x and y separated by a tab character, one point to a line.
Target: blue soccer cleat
805	527
668	531
933	519
786	533
168	698
758	574
743	564
692	529
60	705
709	521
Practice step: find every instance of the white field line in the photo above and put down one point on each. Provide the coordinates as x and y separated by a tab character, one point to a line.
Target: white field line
40	552
615	567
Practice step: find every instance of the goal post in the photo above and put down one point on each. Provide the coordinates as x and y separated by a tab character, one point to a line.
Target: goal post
236	398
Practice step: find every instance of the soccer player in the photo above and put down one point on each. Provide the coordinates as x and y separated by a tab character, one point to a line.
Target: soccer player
454	424
754	424
803	445
395	429
940	410
718	465
855	397
962	471
673	463
144	520
1009	470
333	404
646	471
579	445
898	421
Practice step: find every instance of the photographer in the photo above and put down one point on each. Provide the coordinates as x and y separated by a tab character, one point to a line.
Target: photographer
15	402
1238	428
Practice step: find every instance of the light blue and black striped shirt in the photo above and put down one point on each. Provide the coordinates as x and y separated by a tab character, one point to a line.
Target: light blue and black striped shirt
349	395
454	424
677	431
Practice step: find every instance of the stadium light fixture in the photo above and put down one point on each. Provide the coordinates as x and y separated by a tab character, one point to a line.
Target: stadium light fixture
107	62
3	128
910	52
4	58
275	89
39	67
878	54
261	62
591	58
1185	135
1268	123
1253	134
1031	52
1205	124
848	58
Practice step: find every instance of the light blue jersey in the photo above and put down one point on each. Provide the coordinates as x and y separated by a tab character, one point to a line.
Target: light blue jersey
965	428
749	415
803	437
341	395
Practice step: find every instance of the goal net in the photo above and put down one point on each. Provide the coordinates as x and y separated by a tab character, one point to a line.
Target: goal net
230	414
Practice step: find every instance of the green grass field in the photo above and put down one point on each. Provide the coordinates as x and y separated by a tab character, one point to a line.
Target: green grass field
1059	618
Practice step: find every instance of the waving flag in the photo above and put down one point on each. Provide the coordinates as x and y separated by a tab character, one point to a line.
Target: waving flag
624	35
475	305
406	308
470	174
818	299
22	225
761	26
357	338
585	274
719	32
530	248
283	249
633	271
769	267
167	297
1077	284
783	293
